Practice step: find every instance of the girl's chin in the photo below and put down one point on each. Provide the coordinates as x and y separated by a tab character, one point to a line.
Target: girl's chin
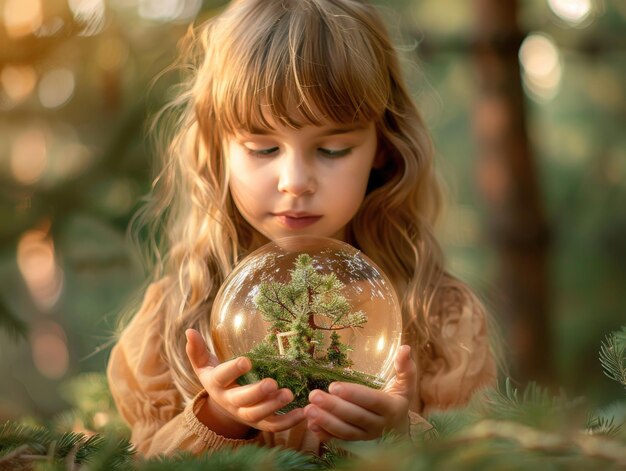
265	235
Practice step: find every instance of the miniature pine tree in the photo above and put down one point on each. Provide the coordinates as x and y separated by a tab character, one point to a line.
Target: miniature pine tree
337	352
308	304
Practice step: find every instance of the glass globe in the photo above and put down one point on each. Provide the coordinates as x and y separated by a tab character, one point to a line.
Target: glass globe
369	327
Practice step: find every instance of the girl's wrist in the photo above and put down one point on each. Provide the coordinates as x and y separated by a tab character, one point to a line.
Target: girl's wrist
221	422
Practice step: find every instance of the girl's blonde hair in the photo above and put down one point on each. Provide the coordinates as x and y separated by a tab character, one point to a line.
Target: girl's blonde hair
295	63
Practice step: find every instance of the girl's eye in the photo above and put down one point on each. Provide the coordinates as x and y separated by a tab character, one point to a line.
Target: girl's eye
335	153
262	152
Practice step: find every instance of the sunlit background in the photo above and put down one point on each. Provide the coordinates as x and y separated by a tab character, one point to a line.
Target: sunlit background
76	87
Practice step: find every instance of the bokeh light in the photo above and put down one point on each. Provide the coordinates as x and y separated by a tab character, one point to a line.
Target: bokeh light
101	419
37	263
574	12
18	82
89	13
169	10
51	27
49	349
541	66
70	159
56	87
29	156
22	17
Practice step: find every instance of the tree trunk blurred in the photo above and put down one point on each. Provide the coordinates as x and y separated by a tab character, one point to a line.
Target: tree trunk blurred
507	181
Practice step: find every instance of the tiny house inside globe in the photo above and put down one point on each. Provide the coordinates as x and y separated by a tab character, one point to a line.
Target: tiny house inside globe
310	295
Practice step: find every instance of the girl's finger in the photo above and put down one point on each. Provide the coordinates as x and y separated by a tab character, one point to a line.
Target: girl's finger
405	382
278	423
347	411
333	425
375	401
197	351
246	396
227	373
404	365
266	408
319	432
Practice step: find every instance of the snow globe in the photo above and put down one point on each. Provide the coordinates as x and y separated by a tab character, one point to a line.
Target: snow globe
308	311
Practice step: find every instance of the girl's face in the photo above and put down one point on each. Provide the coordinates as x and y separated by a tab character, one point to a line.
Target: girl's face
308	181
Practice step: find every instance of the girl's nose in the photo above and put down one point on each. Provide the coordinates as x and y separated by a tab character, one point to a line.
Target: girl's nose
296	176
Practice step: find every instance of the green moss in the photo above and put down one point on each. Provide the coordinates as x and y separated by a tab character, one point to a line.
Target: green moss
302	376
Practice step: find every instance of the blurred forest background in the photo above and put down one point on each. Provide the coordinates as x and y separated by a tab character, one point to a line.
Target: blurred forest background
544	210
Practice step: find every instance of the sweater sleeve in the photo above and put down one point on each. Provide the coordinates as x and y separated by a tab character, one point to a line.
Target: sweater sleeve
461	359
144	393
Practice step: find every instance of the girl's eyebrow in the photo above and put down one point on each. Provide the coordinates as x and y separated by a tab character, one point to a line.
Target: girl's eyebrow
326	132
342	130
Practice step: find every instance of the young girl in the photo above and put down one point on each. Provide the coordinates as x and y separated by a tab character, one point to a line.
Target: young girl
295	120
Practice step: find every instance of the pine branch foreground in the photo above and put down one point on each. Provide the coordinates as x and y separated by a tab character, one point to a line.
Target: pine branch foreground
502	428
613	356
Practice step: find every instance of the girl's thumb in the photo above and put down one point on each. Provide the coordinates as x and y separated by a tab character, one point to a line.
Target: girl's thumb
198	352
406	373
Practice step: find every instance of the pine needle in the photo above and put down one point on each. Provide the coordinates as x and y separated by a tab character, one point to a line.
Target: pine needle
241	459
613	356
14	435
603	426
111	455
534	406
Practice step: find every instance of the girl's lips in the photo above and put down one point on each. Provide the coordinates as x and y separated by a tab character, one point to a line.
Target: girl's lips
297	222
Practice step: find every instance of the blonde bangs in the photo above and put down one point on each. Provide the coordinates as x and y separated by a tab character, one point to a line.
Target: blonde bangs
325	74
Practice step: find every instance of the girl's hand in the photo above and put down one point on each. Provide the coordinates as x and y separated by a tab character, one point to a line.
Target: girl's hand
356	412
231	410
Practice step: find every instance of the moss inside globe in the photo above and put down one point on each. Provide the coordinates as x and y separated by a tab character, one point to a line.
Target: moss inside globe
308	311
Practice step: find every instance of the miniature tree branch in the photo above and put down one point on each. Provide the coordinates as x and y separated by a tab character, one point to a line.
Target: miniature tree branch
309	298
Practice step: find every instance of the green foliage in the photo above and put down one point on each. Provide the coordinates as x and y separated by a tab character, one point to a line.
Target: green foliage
244	458
92	407
613	356
265	349
607	427
309	303
301	376
504	428
535	406
14	435
21	446
338	352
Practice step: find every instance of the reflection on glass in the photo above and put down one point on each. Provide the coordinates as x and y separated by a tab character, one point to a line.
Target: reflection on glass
380	345
238	322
